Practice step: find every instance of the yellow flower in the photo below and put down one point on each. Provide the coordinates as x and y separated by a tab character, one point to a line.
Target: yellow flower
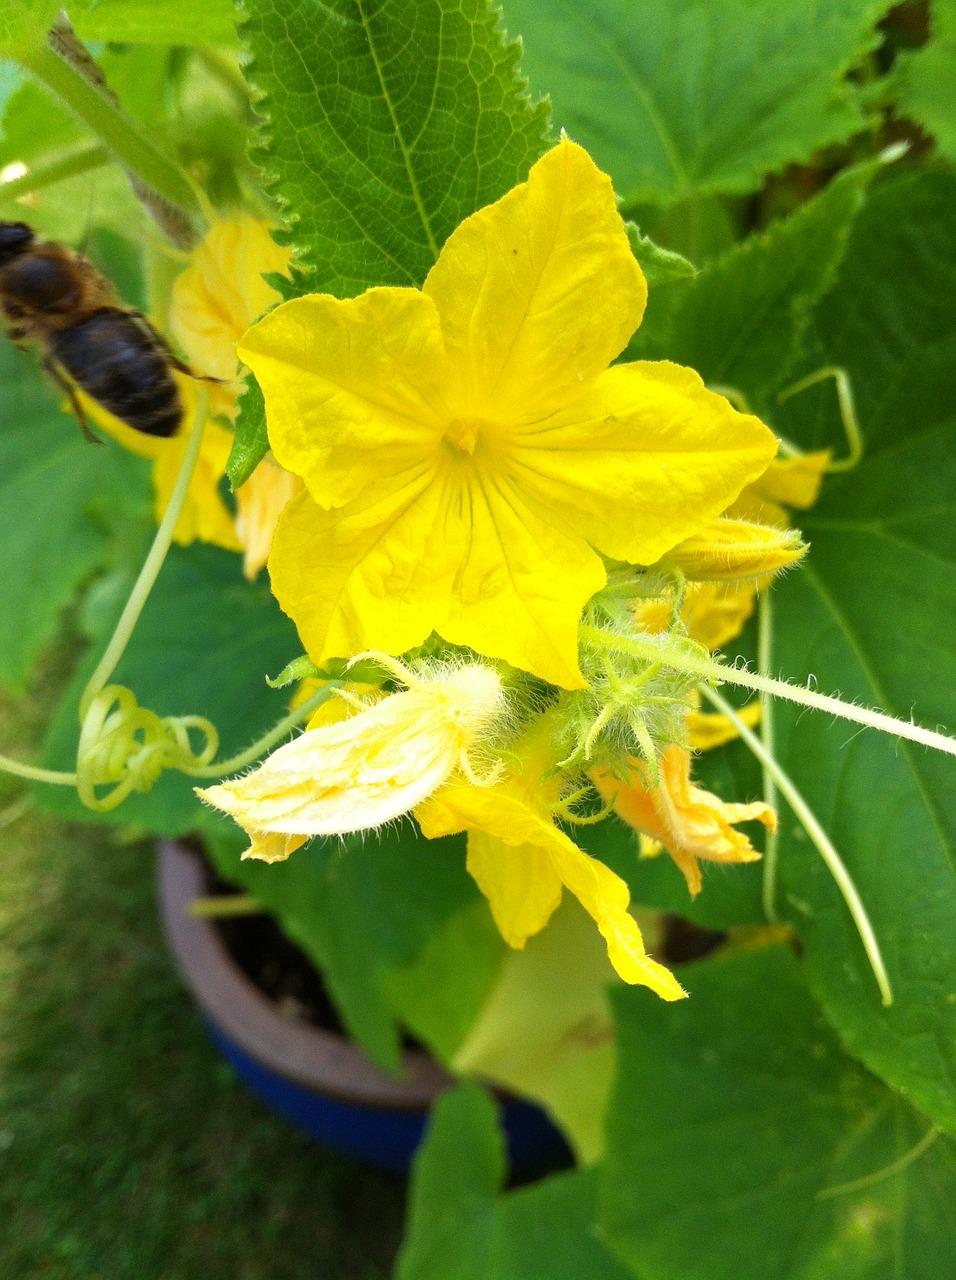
213	302
465	448
521	862
259	503
205	515
358	773
787	482
689	822
220	294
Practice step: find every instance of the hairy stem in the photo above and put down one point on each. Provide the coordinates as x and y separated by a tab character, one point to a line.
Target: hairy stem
810	823
699	664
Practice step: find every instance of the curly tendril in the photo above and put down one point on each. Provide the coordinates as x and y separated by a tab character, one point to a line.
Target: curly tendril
127	747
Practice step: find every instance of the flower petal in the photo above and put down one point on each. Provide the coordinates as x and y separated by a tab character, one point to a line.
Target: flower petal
522	584
503	813
520	882
353	388
221	292
259	503
537	292
356	774
374	575
689	822
645	459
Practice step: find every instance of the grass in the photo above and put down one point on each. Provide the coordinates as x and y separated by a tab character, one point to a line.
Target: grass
128	1151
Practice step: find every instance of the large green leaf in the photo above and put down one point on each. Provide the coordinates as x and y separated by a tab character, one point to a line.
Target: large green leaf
926	80
544	1031
203	645
742	321
57	495
680	97
873	615
146	22
388	122
374	910
461	1229
738	1129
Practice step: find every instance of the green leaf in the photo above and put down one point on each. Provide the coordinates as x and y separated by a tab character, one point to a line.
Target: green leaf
738	1128
459	1230
676	99
55	493
873	615
203	645
926	80
370	911
386	126
24	24
439	995
741	323
146	22
544	1031
457	1175
251	442
659	265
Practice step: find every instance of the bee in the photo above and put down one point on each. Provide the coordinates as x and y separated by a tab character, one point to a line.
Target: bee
56	298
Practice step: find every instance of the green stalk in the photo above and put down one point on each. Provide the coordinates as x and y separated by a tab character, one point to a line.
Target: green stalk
154	561
824	846
123	137
58	170
702	665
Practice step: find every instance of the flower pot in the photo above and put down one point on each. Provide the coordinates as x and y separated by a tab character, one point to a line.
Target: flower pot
316	1078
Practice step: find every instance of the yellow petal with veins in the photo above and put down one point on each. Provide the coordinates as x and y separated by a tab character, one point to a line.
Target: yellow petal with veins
537	293
516	840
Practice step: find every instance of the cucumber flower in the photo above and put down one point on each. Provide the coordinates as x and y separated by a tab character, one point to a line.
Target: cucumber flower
213	302
468	455
690	823
358	773
522	862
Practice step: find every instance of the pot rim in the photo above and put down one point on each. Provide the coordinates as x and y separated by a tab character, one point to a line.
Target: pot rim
310	1056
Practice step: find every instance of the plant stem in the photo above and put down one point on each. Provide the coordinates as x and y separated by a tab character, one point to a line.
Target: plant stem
122	136
154	561
810	823
771	843
37	775
707	668
224	904
219	768
58	170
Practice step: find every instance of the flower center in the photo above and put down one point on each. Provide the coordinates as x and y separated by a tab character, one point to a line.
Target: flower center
462	433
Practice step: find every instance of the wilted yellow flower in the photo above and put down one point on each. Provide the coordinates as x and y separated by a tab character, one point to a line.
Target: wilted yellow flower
466	450
521	862
689	822
358	773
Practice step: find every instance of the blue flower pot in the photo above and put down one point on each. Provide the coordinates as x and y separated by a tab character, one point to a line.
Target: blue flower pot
314	1078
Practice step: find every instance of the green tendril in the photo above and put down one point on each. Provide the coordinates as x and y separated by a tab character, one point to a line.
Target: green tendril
851	424
127	747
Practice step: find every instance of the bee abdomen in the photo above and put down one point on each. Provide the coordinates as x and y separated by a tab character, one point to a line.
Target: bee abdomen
117	358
